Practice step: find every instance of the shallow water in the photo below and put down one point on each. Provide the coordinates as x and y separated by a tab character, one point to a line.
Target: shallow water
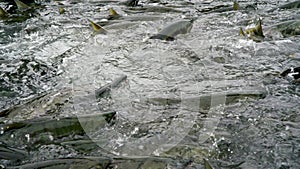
208	94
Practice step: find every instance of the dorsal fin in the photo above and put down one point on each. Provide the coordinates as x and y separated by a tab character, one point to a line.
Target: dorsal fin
242	33
3	13
61	10
21	5
97	28
112	12
259	29
236	6
207	164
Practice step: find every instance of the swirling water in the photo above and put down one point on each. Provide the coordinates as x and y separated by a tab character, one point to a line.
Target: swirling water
155	115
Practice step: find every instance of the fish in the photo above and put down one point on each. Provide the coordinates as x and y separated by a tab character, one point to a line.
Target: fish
42	104
169	32
59	128
257	30
61	10
113	14
87	162
291	5
229	165
99	92
236	6
3	13
11	153
204	102
255	33
21	5
103	162
97	28
156	9
207	164
225	8
287	29
277	31
242	33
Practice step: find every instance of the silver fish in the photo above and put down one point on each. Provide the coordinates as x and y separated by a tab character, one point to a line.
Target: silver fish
109	86
174	29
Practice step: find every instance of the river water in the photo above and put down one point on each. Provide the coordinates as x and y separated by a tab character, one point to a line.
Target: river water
210	93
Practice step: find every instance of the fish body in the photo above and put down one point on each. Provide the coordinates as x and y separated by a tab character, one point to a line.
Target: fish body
291	5
174	29
202	103
109	86
11	153
289	28
60	128
225	8
283	29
